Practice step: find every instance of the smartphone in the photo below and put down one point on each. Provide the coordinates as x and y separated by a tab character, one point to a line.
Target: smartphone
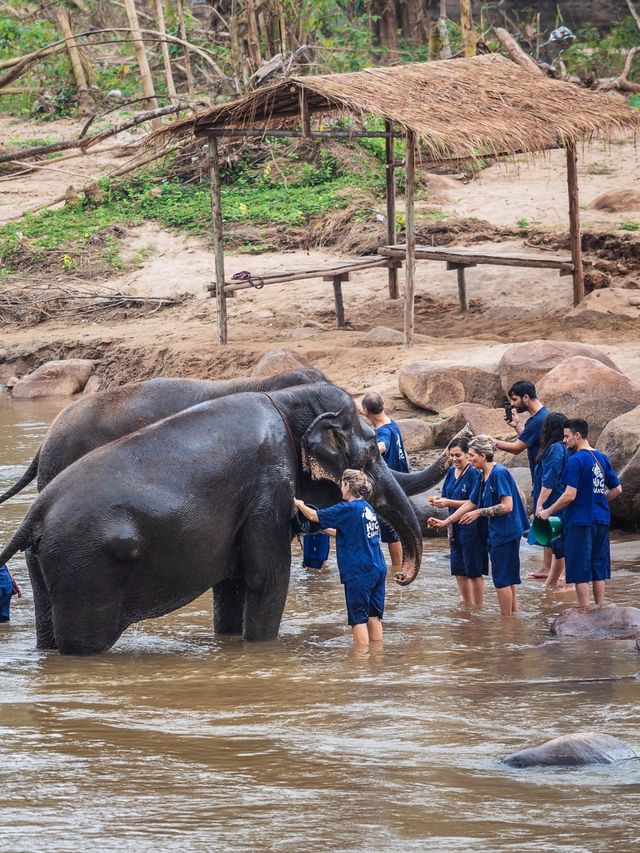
508	411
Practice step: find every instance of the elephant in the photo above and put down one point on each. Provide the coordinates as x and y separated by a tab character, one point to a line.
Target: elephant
206	503
574	750
108	415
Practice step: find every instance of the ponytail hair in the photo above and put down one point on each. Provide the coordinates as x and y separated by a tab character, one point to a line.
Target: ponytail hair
357	482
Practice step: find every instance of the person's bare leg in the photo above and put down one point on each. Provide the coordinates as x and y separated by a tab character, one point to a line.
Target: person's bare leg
477	591
374	628
598	592
361	634
505	600
582	591
557	569
464	585
395	555
514	598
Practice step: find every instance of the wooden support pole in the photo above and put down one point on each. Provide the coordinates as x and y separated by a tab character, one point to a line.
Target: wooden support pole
462	290
218	245
390	182
143	63
574	223
337	296
305	118
409	220
166	61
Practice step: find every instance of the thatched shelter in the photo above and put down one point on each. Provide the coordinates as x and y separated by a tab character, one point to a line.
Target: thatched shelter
474	108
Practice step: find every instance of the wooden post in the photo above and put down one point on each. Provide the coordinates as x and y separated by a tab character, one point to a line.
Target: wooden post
218	245
166	61
143	63
337	296
574	223
390	180
462	290
63	17
409	224
305	118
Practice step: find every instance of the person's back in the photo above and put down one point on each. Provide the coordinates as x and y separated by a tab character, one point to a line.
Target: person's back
395	455
6	591
589	471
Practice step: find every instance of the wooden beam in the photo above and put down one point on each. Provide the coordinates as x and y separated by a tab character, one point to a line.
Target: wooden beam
469	257
327	274
409	224
390	192
291	134
574	223
218	245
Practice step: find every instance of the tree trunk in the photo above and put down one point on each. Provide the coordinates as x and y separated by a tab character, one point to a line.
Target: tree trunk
183	35
63	17
387	26
253	42
145	71
466	23
171	89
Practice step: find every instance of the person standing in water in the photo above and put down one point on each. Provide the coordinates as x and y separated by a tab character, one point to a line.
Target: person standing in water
547	485
467	542
391	447
496	498
8	588
362	566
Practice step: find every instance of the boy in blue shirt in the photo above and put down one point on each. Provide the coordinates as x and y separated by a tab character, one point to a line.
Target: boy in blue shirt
362	567
590	484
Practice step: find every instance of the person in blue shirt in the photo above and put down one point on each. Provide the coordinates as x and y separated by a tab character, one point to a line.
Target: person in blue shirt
467	542
547	485
8	588
361	564
590	484
391	447
495	497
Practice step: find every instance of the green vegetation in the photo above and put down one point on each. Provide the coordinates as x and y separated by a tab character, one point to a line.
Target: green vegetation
523	223
603	54
629	225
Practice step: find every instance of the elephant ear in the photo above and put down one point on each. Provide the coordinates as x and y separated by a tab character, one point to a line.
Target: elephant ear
324	447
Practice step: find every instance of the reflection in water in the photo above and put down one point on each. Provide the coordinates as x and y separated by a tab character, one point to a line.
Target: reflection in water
178	740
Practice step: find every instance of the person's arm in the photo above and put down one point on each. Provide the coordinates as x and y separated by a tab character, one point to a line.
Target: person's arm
444	502
613	493
566	498
514	447
330	531
542	498
382	447
503	508
467	506
307	511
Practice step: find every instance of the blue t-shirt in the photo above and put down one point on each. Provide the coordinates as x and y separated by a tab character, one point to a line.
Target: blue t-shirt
394	455
590	481
548	473
461	490
530	435
499	484
357	538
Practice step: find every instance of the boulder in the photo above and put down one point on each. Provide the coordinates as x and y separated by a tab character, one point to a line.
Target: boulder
620	439
54	379
522	476
601	308
278	360
481	419
573	750
383	336
608	622
416	434
586	388
616	201
626	507
435	386
533	359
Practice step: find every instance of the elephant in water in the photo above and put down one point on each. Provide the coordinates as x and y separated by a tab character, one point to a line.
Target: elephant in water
206	503
574	750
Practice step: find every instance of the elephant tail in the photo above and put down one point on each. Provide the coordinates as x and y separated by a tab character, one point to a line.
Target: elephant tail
20	541
29	475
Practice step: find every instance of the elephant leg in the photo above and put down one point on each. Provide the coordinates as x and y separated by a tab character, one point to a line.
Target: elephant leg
42	604
228	606
266	559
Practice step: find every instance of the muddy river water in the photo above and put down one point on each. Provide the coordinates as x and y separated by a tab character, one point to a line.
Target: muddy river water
175	740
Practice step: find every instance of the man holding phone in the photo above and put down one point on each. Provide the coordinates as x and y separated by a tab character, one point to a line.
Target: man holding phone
522	397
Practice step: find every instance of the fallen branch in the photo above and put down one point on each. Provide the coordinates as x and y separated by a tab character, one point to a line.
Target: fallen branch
622	83
516	53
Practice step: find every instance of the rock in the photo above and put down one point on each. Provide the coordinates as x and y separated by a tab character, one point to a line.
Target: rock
416	434
533	359
54	379
94	384
481	420
600	307
596	280
573	750
435	386
314	324
522	476
383	336
620	439
609	622
424	512
585	388
277	361
626	507
12	381
617	200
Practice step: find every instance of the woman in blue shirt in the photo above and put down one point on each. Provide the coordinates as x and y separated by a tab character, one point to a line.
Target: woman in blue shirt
362	566
547	485
496	498
468	542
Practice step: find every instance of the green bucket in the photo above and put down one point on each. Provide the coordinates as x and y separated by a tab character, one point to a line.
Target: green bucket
544	532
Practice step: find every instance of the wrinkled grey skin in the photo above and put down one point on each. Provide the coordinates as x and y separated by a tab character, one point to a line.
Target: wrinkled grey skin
108	415
607	622
117	538
573	750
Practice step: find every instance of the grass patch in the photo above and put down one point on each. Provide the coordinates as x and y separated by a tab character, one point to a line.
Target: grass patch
523	223
599	169
629	225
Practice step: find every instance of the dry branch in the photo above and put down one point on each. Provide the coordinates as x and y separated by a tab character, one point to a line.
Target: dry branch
516	52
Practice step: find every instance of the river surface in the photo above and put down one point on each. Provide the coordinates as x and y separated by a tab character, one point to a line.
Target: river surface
175	740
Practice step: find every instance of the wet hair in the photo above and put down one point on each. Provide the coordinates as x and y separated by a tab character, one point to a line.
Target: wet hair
522	387
482	444
461	442
552	431
577	425
357	482
373	402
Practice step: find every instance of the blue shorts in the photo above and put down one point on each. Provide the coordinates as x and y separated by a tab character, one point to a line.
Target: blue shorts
587	554
365	597
387	533
469	559
505	563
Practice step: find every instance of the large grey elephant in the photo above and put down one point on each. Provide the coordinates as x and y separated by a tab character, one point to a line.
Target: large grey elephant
206	503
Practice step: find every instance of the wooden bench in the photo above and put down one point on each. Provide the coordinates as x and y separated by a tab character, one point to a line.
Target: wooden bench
337	274
459	259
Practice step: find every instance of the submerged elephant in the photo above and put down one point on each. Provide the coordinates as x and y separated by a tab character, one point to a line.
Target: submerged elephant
206	503
108	415
573	750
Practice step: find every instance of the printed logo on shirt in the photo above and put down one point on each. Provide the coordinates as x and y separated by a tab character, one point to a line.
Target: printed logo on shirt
371	523
400	450
598	480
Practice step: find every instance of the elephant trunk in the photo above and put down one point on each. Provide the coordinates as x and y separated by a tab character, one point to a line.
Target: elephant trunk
419	481
393	505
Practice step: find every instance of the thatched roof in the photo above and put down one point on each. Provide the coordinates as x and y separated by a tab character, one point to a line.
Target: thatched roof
461	108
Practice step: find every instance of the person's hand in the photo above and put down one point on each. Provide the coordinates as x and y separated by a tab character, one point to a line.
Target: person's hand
470	517
538	510
515	420
544	514
439	502
436	522
298	503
